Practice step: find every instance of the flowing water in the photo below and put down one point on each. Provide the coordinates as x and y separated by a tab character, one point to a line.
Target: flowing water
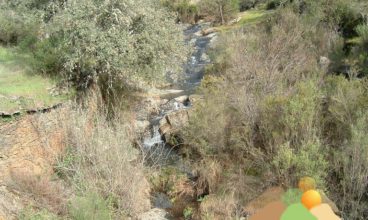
157	151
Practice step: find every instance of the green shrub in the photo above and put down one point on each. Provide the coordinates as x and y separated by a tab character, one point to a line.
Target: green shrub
90	207
362	49
31	214
187	12
16	26
114	44
308	160
273	4
351	169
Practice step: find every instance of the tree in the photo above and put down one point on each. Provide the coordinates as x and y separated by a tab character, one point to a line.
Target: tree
114	44
220	10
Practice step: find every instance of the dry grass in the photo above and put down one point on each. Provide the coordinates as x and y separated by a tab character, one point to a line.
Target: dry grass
46	194
101	159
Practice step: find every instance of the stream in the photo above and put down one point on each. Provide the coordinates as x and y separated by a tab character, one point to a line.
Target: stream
157	151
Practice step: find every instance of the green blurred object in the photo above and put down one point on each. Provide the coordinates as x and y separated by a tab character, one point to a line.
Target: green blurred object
292	196
297	212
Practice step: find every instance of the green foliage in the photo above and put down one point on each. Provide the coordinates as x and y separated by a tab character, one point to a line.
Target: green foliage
248	4
113	44
187	12
31	214
17	25
292	196
352	170
188	213
220	11
90	207
362	48
293	164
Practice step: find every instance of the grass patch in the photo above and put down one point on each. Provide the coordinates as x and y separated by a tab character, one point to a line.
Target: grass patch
247	18
20	90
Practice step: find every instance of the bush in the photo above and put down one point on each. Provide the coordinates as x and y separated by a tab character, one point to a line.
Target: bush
30	214
17	25
219	11
89	207
351	168
187	12
114	44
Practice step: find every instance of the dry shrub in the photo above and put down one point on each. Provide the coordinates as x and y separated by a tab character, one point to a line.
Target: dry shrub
218	207
102	159
47	194
266	100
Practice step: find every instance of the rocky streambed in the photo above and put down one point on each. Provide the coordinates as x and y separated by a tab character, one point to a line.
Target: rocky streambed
165	112
161	116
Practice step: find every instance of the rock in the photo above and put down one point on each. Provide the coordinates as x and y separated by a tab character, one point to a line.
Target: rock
213	42
165	127
5	114
178	119
273	194
172	123
154	214
205	58
211	36
162	201
234	21
324	212
208	31
324	62
198	34
182	99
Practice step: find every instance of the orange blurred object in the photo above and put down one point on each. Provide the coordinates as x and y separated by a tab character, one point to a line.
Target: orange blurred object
307	183
311	198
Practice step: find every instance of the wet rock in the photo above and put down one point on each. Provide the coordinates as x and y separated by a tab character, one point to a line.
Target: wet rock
182	99
154	214
205	58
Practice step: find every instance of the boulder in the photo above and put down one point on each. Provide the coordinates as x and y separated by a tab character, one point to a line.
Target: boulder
208	31
182	99
154	214
165	127
172	123
205	58
178	119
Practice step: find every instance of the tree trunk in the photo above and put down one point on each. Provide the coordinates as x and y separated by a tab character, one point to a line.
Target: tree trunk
222	14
